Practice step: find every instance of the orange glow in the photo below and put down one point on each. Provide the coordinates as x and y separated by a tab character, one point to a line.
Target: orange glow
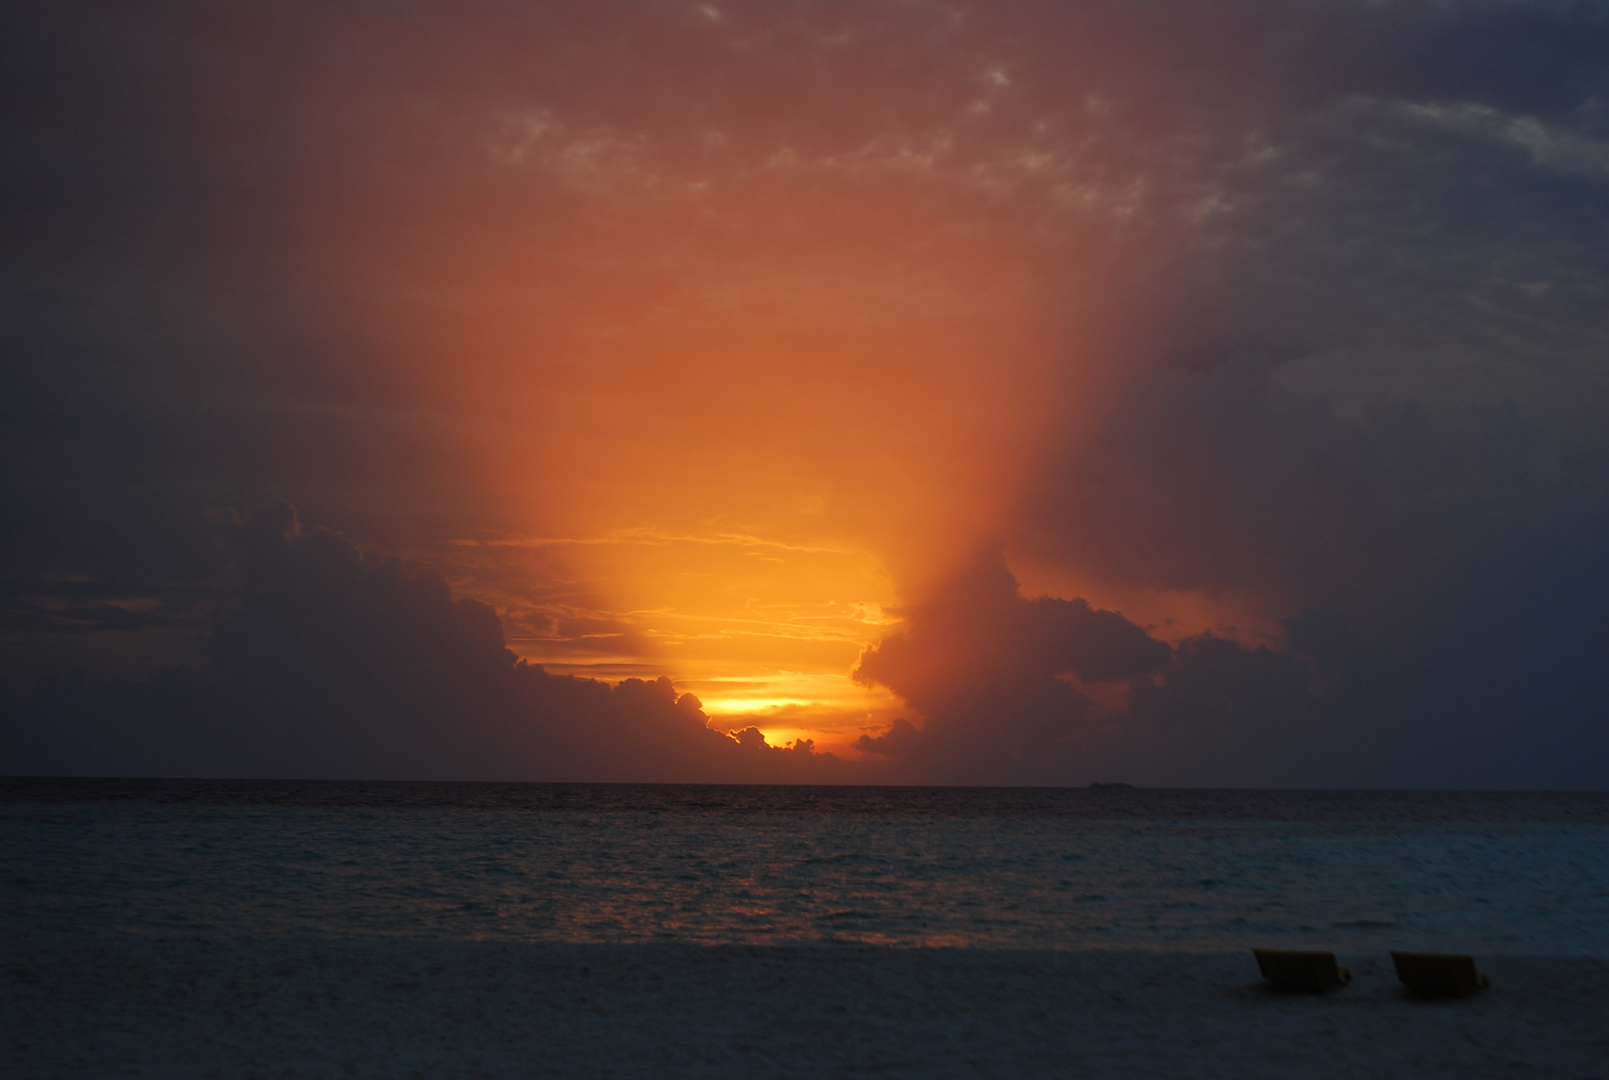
729	393
763	632
740	468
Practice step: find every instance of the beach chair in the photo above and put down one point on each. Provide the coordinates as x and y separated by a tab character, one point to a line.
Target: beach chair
1301	972
1438	975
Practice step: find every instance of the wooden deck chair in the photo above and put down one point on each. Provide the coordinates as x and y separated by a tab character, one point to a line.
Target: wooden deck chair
1438	975
1301	972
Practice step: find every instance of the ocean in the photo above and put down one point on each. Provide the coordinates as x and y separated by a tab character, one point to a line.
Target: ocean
1134	870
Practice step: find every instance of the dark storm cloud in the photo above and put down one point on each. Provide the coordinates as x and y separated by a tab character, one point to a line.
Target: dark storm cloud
980	662
988	670
89	607
1447	575
331	663
978	624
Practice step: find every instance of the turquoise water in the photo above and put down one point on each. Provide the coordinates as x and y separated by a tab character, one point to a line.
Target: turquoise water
1131	870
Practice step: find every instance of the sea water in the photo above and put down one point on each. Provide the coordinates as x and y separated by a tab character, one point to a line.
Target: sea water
1041	869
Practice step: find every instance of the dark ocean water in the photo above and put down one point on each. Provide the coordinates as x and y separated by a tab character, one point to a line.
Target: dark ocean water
1007	868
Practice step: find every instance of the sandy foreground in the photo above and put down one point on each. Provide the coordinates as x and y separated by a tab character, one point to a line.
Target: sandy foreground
294	1007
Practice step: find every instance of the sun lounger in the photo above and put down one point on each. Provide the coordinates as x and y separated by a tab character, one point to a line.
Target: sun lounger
1299	971
1438	975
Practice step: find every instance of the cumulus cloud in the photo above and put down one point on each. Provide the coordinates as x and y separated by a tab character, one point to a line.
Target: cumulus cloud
980	662
1045	690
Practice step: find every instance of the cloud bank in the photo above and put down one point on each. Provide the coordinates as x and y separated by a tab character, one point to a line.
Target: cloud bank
328	663
1440	585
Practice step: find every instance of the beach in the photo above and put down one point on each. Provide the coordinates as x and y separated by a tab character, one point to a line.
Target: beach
179	929
123	1006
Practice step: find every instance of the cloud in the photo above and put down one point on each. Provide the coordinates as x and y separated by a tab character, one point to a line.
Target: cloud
977	629
1011	690
1295	310
1442	580
1439	573
329	662
979	662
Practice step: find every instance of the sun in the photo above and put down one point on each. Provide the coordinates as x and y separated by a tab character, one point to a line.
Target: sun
763	630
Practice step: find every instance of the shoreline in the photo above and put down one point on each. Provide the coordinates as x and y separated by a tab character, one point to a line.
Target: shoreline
119	1005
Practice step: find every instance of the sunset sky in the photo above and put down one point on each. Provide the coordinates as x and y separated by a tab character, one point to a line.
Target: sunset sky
1017	392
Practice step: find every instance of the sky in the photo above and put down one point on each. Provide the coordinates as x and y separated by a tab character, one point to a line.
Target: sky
1188	393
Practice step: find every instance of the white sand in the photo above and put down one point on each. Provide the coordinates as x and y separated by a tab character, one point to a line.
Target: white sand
272	1008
